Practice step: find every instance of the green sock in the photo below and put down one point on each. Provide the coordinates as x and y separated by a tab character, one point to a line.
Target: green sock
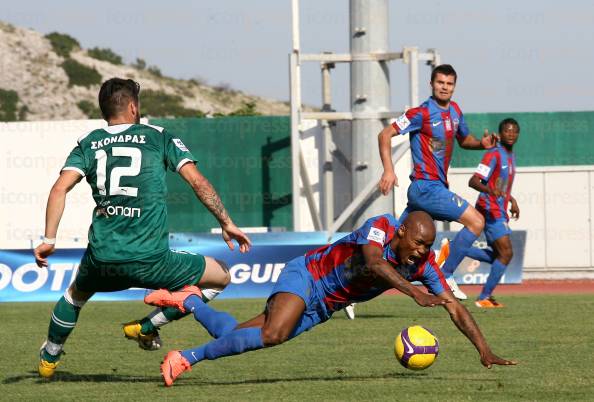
160	317
49	358
62	323
146	326
173	314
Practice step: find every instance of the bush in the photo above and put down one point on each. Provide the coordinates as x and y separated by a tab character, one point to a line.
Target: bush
81	75
23	113
62	44
139	64
8	105
105	55
6	27
89	109
161	104
247	109
222	87
154	70
198	81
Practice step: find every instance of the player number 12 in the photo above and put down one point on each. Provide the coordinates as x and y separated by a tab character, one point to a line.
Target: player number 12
118	172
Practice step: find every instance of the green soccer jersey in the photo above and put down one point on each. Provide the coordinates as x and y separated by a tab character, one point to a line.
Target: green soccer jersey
125	165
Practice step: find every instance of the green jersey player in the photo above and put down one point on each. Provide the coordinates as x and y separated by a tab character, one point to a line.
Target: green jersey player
125	165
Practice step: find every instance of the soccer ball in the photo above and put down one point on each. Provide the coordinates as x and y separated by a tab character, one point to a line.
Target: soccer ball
416	348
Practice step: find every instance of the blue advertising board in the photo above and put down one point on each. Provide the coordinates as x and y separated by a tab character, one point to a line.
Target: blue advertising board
252	274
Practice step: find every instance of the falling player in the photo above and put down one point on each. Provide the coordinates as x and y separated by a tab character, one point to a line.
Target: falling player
384	253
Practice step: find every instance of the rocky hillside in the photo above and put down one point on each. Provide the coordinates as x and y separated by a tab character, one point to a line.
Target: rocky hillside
52	78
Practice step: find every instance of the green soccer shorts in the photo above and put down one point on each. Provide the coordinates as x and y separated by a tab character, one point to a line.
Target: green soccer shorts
171	270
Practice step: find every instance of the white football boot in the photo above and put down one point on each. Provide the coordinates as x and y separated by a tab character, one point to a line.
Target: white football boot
350	311
460	295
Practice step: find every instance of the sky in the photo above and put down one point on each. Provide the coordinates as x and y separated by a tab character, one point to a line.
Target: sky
524	55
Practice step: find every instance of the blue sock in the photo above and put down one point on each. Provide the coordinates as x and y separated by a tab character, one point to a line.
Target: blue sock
481	254
217	323
497	271
239	341
460	246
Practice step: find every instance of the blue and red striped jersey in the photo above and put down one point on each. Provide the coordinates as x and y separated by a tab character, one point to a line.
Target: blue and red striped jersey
496	170
432	131
339	268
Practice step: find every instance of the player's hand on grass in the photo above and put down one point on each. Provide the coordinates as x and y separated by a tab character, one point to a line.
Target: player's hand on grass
489	140
428	300
42	252
387	182
489	359
514	209
232	232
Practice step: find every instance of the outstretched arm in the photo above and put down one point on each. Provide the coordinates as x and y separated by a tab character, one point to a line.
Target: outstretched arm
211	200
470	142
380	267
389	179
466	324
53	214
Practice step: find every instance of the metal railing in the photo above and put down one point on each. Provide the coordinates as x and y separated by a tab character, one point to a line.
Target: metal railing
409	55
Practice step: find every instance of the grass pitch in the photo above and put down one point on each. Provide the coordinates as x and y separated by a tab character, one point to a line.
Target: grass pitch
551	337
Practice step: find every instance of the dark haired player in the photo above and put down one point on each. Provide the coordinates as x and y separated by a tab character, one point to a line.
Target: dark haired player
432	127
125	165
493	179
383	254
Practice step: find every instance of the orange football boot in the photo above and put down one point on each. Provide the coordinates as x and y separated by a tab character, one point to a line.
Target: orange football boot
173	365
165	298
444	252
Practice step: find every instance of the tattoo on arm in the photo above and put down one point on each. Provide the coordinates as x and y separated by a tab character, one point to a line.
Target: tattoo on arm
211	200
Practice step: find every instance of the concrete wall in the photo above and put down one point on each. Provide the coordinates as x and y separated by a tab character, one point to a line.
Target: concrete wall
32	155
556	207
557	203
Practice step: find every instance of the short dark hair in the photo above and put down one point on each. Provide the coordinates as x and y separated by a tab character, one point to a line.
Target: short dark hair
508	120
445	69
115	94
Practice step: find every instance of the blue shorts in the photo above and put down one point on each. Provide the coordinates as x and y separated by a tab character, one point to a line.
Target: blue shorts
434	198
496	229
296	279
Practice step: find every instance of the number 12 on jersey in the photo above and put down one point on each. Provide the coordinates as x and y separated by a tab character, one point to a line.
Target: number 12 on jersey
118	172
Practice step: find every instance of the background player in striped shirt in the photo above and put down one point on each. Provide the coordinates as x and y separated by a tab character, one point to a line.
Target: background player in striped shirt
125	165
432	128
383	254
494	178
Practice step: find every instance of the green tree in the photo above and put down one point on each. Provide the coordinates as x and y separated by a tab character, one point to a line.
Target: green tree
62	44
161	104
154	70
105	54
81	75
8	105
247	109
89	109
139	64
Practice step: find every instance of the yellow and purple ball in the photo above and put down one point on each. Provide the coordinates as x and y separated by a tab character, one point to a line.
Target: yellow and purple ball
416	348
